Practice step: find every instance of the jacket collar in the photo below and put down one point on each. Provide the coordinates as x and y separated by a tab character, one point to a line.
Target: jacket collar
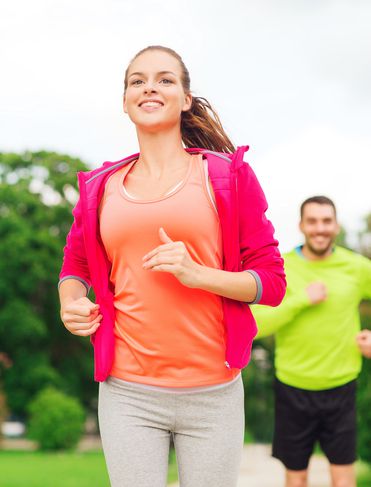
110	166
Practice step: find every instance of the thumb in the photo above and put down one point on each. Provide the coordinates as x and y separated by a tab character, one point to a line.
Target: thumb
164	237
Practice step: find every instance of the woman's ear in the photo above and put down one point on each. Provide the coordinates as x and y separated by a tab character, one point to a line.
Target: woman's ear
187	102
124	103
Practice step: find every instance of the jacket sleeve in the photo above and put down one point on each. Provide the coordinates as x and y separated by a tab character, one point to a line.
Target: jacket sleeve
75	265
258	247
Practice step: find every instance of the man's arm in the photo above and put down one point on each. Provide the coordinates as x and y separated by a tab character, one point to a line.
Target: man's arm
269	320
365	278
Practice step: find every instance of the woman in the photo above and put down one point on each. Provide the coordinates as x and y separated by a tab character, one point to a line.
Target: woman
165	237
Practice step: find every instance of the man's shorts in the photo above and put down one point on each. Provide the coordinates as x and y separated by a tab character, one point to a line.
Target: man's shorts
303	417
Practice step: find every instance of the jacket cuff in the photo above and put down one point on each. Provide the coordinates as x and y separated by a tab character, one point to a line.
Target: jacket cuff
77	279
259	286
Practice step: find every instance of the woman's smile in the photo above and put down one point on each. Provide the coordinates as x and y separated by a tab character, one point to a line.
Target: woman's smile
150	105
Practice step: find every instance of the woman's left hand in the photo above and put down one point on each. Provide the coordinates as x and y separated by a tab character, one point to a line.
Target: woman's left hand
172	257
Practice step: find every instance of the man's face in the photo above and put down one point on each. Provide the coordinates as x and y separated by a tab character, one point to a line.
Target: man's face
319	226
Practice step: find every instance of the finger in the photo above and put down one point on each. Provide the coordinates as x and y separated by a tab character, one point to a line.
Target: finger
158	249
164	268
74	318
82	310
84	326
168	258
89	332
164	236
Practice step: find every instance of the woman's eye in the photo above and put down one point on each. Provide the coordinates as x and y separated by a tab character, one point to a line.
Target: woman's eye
136	82
166	81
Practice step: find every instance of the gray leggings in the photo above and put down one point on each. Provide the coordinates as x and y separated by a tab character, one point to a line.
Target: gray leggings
207	429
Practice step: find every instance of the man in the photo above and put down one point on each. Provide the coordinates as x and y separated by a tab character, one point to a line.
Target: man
317	359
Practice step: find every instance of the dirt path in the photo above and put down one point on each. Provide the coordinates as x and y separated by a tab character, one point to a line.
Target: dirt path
259	469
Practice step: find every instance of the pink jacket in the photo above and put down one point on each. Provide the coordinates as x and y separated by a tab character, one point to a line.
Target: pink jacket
248	244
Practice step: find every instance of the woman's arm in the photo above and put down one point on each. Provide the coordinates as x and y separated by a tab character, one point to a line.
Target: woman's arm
79	315
234	285
75	265
258	246
70	290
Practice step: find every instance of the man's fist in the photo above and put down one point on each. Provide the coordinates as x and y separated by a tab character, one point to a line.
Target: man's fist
316	292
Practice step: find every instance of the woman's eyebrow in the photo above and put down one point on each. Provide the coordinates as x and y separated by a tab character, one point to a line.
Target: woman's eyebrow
137	73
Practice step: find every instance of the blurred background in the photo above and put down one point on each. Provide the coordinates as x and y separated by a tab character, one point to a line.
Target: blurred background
290	78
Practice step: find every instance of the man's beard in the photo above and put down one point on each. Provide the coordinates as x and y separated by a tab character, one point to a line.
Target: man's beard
319	252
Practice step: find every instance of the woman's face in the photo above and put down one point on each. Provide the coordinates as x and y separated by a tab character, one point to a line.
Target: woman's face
154	97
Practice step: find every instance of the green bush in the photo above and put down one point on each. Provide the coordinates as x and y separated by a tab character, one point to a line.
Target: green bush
258	382
56	420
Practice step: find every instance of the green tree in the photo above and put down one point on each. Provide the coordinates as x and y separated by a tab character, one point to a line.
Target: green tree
37	194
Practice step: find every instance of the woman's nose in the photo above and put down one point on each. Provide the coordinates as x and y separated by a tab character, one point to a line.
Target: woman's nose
149	87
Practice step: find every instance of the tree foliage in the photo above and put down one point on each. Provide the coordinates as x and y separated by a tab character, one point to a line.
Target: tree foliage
37	194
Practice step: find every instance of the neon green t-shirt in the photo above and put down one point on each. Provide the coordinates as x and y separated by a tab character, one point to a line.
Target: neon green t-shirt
315	344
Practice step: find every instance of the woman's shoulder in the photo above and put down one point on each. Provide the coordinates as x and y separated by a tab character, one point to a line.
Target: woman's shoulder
222	163
219	163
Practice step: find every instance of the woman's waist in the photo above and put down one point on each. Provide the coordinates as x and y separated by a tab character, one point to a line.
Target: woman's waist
165	325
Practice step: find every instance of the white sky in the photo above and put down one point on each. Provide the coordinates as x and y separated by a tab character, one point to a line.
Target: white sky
291	78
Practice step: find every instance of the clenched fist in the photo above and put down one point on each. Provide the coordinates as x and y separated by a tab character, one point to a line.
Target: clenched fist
81	317
317	292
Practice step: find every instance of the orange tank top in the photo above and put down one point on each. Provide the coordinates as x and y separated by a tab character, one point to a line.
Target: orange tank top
166	334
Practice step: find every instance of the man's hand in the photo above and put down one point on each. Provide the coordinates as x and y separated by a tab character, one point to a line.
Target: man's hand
364	342
317	292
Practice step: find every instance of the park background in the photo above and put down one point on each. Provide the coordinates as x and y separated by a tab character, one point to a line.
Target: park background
291	78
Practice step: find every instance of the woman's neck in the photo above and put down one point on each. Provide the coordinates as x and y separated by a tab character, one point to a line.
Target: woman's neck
161	152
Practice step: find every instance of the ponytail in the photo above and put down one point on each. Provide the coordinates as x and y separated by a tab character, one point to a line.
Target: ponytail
201	127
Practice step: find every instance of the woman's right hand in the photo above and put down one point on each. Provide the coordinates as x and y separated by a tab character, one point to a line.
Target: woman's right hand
81	317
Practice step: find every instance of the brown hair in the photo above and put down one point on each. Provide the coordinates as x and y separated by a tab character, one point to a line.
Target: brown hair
321	200
200	125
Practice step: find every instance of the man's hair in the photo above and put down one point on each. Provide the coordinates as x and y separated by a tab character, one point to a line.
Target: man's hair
321	200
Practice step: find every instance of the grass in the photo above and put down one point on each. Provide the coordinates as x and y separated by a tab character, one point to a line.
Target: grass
74	469
67	469
364	475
